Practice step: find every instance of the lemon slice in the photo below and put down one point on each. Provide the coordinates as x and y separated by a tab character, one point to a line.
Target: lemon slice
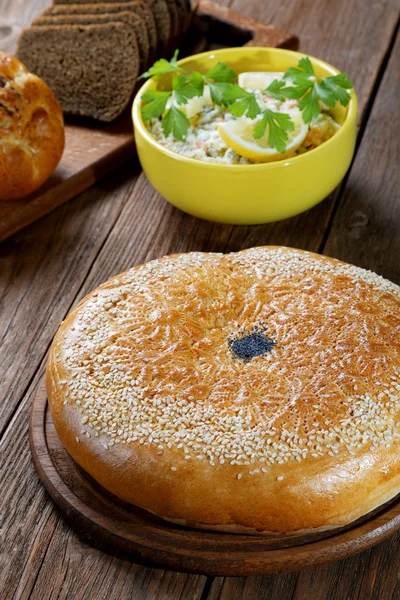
258	80
238	135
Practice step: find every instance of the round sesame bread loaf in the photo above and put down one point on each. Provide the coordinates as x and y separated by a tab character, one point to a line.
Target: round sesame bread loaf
250	392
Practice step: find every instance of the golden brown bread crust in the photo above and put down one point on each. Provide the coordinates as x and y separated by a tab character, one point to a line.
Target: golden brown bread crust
31	130
148	397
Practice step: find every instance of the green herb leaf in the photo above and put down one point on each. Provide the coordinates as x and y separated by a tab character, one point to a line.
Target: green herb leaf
304	70
155	103
278	124
233	92
306	88
248	105
225	93
162	66
309	105
175	122
305	65
197	81
183	89
302	77
297	91
333	89
221	93
221	73
274	89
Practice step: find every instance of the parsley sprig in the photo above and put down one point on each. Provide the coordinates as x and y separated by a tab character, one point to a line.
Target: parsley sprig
245	103
184	87
278	125
163	66
306	88
300	83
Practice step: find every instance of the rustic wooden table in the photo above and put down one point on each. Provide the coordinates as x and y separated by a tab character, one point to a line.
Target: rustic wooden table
121	222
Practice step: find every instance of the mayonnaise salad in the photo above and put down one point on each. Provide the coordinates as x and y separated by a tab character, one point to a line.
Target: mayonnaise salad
210	139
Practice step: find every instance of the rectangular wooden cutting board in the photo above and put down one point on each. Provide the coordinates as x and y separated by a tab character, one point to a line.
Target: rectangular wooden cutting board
92	150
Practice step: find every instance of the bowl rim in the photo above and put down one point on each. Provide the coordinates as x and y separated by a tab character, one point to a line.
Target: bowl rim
351	115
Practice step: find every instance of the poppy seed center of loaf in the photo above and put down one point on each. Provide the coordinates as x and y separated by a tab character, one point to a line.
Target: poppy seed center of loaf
253	344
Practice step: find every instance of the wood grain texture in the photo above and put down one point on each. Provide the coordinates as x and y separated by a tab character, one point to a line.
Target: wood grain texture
262	34
116	225
273	587
366	229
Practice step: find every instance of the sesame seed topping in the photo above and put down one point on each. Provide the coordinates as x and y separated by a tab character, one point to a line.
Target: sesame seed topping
148	361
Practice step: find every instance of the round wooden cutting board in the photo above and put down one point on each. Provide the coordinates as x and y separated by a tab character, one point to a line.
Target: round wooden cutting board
116	525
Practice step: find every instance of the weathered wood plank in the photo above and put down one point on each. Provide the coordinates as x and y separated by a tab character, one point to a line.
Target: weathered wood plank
381	580
371	575
273	587
366	228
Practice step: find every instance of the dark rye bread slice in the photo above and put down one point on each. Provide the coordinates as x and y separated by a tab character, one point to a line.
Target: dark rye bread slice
160	13
130	18
183	15
175	22
138	7
189	8
163	23
92	69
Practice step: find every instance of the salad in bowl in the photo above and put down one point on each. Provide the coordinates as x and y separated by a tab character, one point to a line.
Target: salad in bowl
245	135
243	118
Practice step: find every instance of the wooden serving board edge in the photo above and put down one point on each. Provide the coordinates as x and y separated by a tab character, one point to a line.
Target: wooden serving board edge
109	536
27	211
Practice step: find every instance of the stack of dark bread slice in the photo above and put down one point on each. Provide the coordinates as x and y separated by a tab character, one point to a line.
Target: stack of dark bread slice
91	52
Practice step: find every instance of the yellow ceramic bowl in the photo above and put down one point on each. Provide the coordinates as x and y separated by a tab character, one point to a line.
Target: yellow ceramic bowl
247	194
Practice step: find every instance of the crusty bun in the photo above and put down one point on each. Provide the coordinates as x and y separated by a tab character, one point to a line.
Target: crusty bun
31	130
256	391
